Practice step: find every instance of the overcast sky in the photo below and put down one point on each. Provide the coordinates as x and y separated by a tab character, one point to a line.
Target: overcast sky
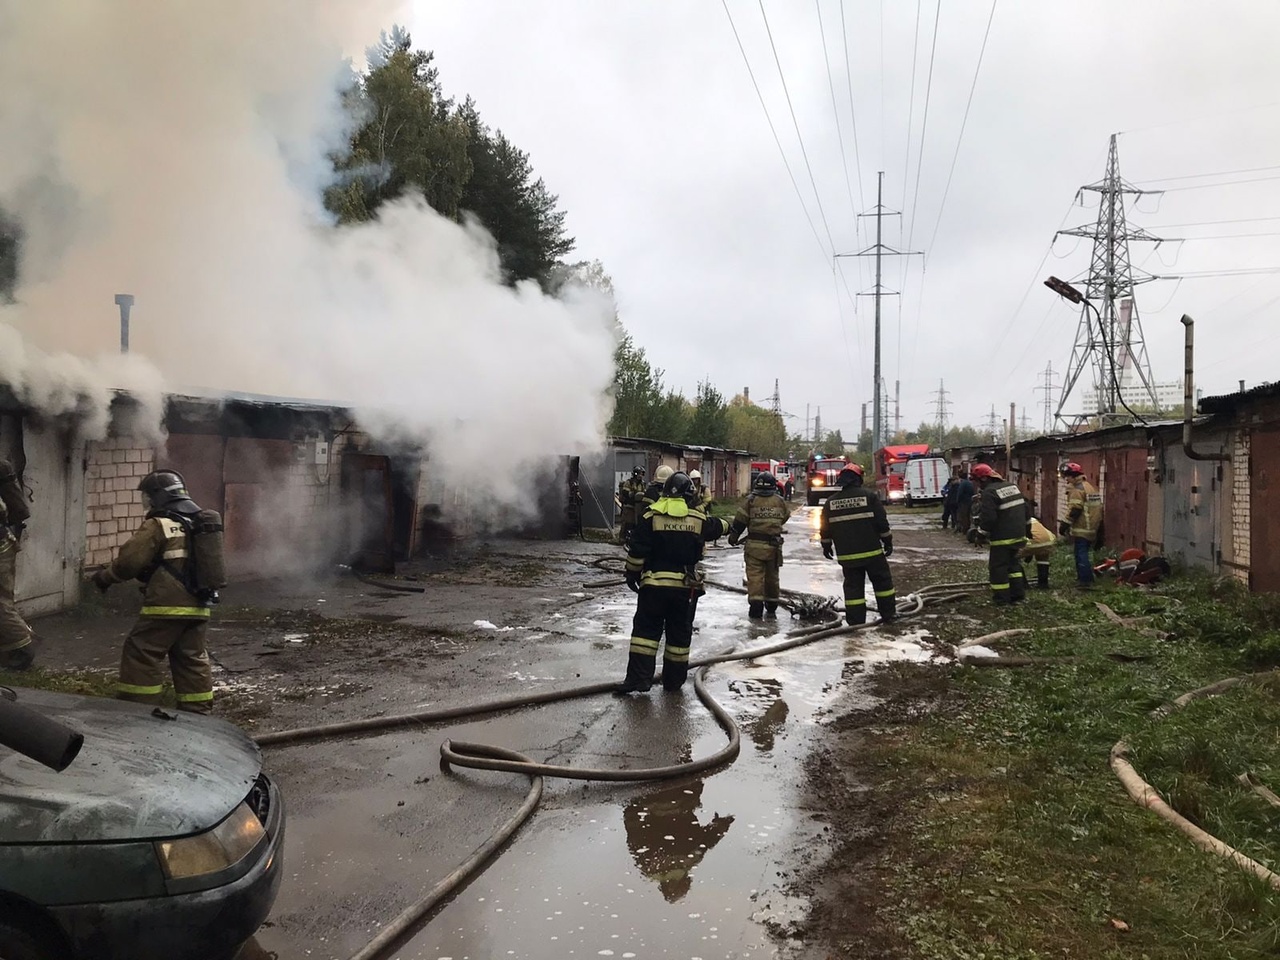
643	118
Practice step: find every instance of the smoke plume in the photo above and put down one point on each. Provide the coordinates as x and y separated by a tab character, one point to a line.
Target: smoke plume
178	152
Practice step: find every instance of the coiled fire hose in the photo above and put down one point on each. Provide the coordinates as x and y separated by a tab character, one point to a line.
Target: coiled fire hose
479	756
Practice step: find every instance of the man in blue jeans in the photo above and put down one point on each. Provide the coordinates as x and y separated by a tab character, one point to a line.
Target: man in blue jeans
1084	520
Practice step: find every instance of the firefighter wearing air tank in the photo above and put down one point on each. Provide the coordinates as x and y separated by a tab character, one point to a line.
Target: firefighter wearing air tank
177	554
761	519
855	530
1004	525
15	634
1084	521
662	570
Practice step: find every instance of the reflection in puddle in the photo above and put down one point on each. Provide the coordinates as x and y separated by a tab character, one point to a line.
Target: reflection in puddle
667	840
764	694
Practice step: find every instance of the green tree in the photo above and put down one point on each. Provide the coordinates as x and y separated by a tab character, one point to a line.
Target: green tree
517	209
755	429
709	424
412	138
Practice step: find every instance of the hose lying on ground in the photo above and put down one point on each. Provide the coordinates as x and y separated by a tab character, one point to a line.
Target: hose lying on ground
487	757
387	584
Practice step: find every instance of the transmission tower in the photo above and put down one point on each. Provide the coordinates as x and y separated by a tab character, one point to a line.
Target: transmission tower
940	411
1109	337
879	251
817	426
1047	388
1024	424
993	424
775	402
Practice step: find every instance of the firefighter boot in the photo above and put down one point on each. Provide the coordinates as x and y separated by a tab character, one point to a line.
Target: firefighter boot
18	659
771	609
639	679
1042	575
755	609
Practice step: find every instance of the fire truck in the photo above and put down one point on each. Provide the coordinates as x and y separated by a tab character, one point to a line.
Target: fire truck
820	477
891	469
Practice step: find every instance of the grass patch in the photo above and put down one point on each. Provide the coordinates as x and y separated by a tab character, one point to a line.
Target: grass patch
90	683
1022	844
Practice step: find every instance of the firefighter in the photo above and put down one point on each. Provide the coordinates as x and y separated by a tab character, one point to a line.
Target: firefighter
653	492
662	571
630	492
15	634
1084	521
855	530
761	518
173	622
964	495
704	495
1039	547
1002	525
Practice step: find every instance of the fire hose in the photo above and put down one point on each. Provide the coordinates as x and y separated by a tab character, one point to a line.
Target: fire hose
480	756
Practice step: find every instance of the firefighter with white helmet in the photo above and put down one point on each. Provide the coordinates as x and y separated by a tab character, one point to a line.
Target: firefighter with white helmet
761	519
654	490
855	530
704	495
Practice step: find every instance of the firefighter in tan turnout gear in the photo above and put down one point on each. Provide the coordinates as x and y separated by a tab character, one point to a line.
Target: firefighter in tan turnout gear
177	554
855	530
761	518
15	634
1003	524
1084	521
662	570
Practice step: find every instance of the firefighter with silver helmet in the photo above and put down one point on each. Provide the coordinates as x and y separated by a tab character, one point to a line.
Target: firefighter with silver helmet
761	518
704	495
179	578
662	571
1084	521
15	633
1003	524
653	492
854	529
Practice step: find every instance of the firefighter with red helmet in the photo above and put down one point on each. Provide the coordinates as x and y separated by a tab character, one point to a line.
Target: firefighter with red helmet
1084	521
1002	525
855	530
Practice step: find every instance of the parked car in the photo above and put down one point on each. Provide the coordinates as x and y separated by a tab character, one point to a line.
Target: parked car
161	839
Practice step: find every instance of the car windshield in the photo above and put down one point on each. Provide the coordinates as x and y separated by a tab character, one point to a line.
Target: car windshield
830	465
897	469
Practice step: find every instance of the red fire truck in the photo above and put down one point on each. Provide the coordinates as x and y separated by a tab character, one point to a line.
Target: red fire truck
820	477
891	469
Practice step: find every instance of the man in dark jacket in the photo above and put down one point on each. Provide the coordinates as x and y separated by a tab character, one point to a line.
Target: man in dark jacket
1002	524
855	530
964	504
950	497
662	570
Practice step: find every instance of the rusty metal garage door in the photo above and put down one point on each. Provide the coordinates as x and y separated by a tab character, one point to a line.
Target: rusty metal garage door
1264	510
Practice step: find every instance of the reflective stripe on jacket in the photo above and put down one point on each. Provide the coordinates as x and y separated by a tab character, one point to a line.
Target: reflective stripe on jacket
1003	514
762	518
855	523
1084	509
159	543
667	543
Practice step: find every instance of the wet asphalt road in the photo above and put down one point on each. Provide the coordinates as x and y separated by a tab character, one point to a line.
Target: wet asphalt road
690	868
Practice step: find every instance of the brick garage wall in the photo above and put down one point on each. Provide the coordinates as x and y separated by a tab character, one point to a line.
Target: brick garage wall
113	505
1240	532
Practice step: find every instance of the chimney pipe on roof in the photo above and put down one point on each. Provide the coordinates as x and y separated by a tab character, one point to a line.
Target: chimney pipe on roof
125	302
1188	403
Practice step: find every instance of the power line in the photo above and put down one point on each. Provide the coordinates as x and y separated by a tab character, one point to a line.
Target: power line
853	117
911	107
1213	223
826	254
960	139
1203	176
1224	183
796	123
924	123
831	85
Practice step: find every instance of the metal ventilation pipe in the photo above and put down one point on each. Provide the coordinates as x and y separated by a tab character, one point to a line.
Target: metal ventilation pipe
1188	398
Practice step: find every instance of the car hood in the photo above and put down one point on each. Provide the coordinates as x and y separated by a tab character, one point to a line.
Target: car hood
137	777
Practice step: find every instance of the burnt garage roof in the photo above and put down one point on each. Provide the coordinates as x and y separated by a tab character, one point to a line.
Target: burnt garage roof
1230	402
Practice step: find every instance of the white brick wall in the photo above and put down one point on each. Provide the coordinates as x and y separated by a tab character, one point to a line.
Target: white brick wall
1240	533
113	506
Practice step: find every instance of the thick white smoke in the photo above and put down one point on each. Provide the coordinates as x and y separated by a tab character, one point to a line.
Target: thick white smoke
177	151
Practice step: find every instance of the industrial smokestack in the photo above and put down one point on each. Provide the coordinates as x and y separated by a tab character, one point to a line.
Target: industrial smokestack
746	394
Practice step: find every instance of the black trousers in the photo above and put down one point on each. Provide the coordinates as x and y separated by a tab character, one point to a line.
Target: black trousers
1004	569
855	600
659	611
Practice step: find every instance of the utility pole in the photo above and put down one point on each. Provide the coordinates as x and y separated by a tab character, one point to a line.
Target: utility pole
1116	347
1047	389
879	251
808	438
897	407
817	426
775	402
941	413
864	421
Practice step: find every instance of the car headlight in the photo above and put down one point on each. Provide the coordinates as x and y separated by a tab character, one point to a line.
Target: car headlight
817	481
225	845
896	494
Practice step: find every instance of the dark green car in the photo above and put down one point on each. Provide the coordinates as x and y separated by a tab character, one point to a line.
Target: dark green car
162	839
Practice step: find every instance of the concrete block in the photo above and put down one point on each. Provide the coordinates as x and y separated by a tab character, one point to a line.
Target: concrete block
119	510
117	456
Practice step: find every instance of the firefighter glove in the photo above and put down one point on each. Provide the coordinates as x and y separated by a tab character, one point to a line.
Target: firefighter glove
1064	528
633	580
828	549
887	543
733	539
102	579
